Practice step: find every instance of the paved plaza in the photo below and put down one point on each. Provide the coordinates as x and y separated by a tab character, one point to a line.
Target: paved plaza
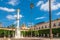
30	38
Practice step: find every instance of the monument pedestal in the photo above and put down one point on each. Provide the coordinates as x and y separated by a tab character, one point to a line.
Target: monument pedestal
17	33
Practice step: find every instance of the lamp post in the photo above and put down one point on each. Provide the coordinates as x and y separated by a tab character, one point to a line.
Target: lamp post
51	36
31	6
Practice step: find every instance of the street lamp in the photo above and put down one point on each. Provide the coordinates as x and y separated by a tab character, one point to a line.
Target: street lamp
51	36
31	6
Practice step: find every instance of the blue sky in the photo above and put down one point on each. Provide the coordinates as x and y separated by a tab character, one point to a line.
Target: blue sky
38	14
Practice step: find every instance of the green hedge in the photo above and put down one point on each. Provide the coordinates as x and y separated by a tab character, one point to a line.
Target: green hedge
47	31
28	33
44	31
6	33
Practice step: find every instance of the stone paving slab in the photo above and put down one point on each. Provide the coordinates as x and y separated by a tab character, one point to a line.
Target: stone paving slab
30	38
50	39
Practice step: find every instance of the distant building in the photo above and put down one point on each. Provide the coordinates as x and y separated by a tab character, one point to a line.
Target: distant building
39	26
24	28
45	25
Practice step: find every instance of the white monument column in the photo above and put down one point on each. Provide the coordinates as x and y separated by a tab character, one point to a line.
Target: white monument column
17	31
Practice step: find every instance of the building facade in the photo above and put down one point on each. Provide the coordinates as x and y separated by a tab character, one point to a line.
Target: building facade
45	25
40	29
44	29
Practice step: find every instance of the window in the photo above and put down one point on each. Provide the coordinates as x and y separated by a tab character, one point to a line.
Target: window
45	26
42	26
39	27
54	25
59	24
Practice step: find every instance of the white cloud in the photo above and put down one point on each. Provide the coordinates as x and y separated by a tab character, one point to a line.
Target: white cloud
12	17
54	5
13	2
39	18
7	9
19	15
58	13
39	3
